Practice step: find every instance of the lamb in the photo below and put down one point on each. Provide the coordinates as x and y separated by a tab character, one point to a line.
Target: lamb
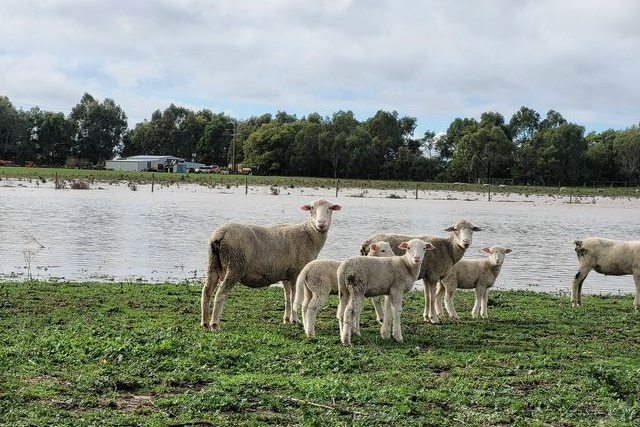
360	277
318	280
259	256
609	257
448	251
480	274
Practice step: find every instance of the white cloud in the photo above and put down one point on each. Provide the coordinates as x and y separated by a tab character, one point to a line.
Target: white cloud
434	60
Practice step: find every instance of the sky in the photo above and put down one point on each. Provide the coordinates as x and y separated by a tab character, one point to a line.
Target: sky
435	60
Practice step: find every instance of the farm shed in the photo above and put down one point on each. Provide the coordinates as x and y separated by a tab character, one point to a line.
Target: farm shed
156	163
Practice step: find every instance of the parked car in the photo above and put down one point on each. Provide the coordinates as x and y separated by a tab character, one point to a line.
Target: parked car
208	169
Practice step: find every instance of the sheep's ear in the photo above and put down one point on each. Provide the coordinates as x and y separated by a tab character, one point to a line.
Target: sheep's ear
429	247
335	207
372	247
450	229
507	251
305	207
403	245
474	228
487	250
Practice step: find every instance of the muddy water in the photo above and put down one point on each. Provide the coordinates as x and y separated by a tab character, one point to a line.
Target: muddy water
111	232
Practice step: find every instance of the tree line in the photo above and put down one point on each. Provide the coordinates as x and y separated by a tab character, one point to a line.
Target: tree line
526	149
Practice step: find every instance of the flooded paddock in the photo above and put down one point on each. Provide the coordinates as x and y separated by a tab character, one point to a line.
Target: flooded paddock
111	232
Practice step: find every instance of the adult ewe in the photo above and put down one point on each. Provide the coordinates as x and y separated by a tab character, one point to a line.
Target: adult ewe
448	251
365	276
479	274
259	256
609	257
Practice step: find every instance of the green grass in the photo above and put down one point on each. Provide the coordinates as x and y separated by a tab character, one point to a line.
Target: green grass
212	180
95	354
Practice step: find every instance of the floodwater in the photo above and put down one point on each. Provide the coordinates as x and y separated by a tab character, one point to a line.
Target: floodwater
111	232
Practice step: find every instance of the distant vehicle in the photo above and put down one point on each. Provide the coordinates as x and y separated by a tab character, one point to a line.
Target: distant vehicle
7	163
208	169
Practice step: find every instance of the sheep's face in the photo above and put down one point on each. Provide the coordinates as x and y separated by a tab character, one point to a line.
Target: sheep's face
415	250
463	233
496	254
320	214
380	249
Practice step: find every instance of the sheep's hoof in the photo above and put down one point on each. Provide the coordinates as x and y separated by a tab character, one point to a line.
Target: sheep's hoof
213	327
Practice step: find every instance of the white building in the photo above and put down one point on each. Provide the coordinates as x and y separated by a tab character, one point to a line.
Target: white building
152	163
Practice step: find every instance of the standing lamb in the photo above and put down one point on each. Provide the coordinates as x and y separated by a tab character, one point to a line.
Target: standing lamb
259	256
448	251
609	257
318	280
480	274
360	277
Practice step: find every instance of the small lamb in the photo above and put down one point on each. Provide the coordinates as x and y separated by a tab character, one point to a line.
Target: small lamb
608	257
478	274
361	276
318	280
258	256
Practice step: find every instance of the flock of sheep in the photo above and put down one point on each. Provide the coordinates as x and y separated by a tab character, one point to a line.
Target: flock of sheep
388	265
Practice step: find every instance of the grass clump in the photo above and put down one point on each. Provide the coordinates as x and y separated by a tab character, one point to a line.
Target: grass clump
134	354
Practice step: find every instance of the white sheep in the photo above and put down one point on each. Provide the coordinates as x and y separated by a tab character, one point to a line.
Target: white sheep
360	277
258	256
448	251
479	274
318	280
608	257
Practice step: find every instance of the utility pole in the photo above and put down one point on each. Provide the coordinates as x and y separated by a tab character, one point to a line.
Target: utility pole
233	147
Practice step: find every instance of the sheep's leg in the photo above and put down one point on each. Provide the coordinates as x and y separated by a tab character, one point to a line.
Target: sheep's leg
357	309
439	295
429	313
342	305
448	303
298	300
209	285
313	307
377	305
636	279
477	305
396	311
484	310
385	329
308	294
289	316
349	317
576	285
224	288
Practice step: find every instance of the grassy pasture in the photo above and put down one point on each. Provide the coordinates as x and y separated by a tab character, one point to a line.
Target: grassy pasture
127	354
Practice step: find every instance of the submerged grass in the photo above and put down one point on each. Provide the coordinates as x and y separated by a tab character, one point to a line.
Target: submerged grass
87	354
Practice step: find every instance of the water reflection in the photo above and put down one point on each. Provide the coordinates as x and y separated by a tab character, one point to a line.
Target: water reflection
118	234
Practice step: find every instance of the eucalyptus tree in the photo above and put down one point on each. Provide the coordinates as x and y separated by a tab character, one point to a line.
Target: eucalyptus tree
337	142
307	158
98	128
601	156
523	128
627	147
446	145
49	137
486	152
269	147
214	145
9	129
560	150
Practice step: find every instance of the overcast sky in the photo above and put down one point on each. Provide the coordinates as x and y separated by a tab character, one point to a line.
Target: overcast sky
434	60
